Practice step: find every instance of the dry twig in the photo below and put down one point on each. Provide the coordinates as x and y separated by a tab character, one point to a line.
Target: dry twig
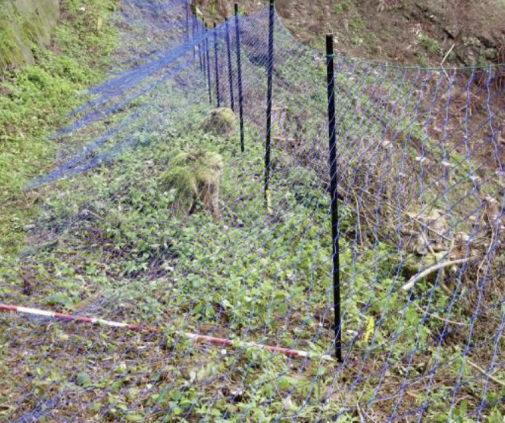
481	370
431	270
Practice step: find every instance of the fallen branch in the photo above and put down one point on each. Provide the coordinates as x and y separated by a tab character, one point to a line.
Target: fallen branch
394	209
481	370
439	318
431	270
447	54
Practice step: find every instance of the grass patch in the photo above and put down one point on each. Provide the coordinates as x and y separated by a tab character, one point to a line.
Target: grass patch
35	99
254	275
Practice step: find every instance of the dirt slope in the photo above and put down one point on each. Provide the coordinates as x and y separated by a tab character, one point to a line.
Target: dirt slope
414	32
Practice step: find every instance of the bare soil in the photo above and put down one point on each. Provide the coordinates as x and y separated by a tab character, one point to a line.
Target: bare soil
408	32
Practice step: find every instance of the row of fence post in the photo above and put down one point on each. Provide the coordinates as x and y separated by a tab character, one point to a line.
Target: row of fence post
333	171
203	51
239	79
270	74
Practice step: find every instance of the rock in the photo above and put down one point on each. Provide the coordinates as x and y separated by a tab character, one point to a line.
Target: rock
487	40
221	122
466	55
471	41
491	54
452	30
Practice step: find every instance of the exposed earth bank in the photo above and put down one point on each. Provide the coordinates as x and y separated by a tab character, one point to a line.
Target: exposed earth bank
413	32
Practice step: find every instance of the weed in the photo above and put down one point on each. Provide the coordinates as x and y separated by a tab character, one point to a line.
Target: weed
431	45
342	7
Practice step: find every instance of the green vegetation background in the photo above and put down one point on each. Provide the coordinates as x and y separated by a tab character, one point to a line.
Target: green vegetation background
35	98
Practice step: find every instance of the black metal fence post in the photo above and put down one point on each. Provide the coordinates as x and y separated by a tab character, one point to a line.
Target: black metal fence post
207	54
187	20
216	58
200	48
333	194
200	53
193	33
239	79
270	72
230	68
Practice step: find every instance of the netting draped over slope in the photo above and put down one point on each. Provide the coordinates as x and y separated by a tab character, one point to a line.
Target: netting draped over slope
421	199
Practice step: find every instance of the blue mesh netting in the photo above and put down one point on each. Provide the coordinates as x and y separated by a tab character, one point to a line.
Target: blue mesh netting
421	183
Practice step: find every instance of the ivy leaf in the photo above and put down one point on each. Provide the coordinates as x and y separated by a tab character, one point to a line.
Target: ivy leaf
83	379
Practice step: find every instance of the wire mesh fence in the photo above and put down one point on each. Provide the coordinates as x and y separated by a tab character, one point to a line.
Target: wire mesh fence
175	216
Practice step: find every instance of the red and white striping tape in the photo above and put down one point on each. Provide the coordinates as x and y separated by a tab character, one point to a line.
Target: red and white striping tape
138	328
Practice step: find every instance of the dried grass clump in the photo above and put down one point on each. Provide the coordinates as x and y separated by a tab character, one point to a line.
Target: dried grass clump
195	175
220	122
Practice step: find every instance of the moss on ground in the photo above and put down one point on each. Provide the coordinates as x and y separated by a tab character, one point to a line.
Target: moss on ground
195	175
220	122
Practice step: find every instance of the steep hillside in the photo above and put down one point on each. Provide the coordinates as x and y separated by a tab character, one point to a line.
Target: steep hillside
209	276
23	25
413	32
50	51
